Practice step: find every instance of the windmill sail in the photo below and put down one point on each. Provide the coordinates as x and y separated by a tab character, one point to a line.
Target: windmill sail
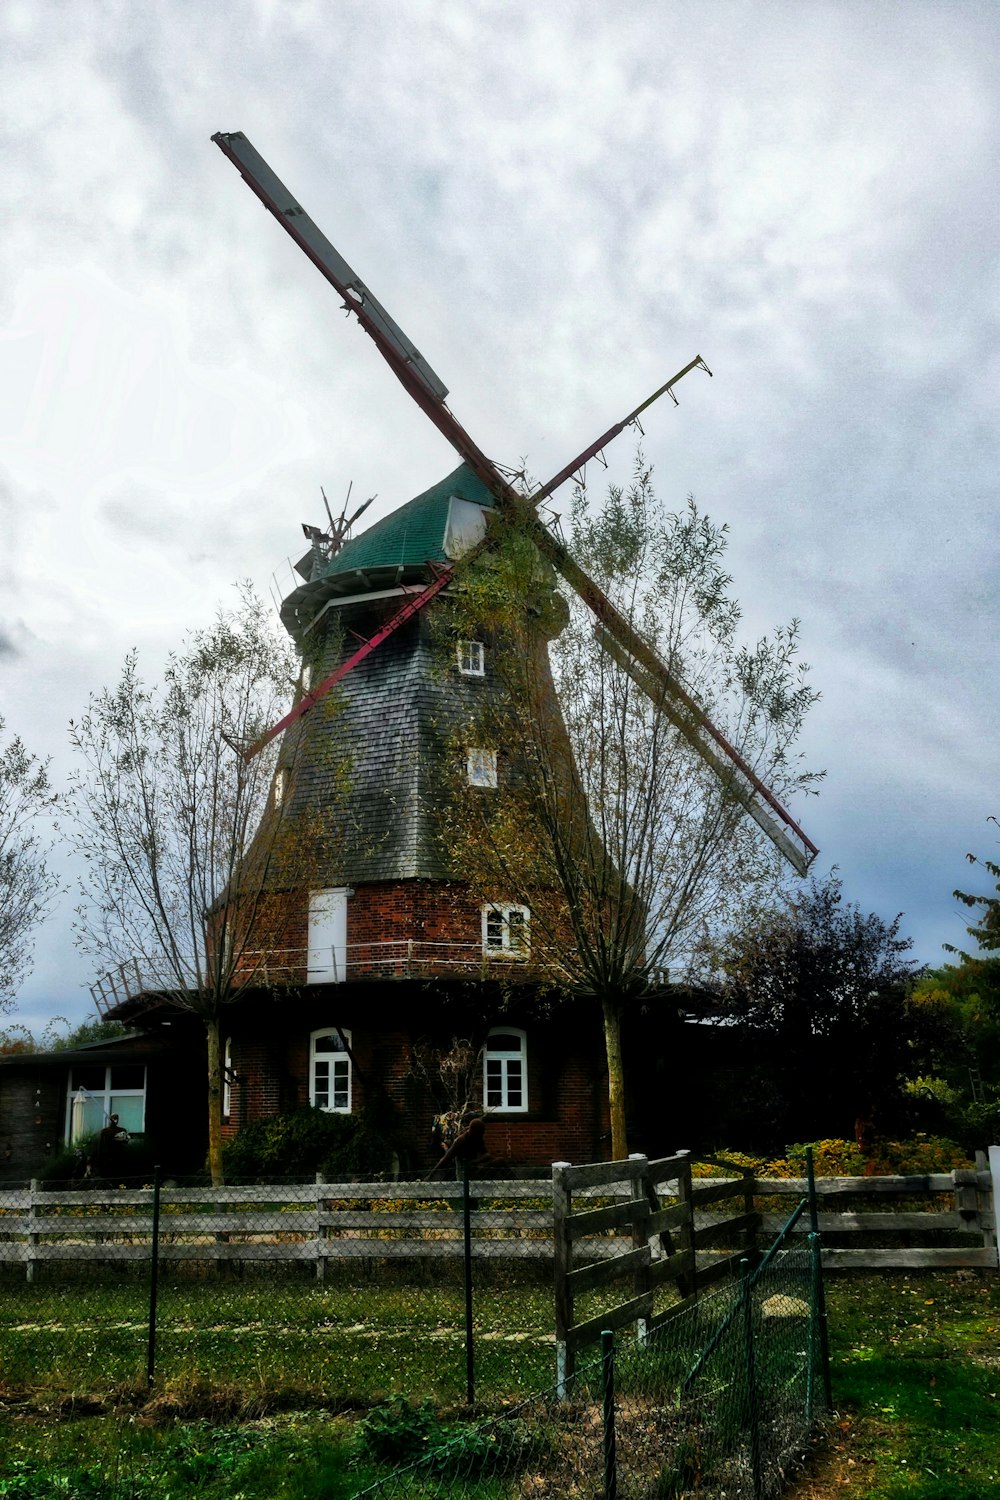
427	389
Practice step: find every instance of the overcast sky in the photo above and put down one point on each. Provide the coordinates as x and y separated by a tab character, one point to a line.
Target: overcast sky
561	204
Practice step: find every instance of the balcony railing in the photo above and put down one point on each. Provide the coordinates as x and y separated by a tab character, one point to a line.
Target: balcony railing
392	958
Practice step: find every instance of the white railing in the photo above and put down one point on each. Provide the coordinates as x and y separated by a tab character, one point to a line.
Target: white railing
390	958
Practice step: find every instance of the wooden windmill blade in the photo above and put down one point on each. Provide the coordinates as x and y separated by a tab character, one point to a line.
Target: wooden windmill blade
427	389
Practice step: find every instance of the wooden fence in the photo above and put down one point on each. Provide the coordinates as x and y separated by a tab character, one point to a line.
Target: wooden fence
661	1243
314	1223
636	1223
659	1234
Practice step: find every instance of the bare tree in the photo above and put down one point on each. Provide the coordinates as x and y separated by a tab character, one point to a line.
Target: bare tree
27	885
630	849
183	837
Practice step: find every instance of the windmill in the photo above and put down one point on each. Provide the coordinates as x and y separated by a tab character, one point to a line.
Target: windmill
628	647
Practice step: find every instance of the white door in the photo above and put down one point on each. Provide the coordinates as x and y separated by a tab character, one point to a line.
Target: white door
327	962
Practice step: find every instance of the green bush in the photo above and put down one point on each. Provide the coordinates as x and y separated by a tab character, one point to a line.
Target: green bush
310	1140
399	1432
835	1158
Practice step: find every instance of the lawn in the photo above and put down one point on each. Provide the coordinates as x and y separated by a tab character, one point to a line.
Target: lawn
262	1398
276	1342
916	1383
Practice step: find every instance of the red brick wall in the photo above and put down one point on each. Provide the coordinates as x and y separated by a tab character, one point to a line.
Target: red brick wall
566	1119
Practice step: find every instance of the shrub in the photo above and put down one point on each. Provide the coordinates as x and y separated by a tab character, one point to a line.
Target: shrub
309	1140
834	1158
401	1433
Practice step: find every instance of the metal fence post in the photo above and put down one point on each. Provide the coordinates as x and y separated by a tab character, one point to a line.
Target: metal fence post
154	1270
753	1403
470	1375
819	1311
608	1415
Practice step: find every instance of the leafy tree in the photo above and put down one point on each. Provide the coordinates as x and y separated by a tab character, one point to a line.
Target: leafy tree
630	849
964	998
828	989
27	885
58	1035
986	930
180	836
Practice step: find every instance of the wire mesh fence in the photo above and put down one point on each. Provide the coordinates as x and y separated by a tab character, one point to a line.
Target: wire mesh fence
716	1404
357	1295
338	1292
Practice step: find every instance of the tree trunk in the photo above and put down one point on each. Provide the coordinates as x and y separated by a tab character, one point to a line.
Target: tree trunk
616	1077
212	1031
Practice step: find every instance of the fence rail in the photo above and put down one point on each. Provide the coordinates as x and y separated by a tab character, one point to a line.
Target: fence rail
620	1223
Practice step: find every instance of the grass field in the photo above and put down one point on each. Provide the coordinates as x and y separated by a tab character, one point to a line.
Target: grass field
276	1342
916	1383
260	1399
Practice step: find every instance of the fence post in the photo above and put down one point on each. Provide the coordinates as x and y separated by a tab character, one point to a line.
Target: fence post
966	1197
608	1415
320	1231
641	1189
820	1310
562	1261
995	1175
750	1233
31	1261
154	1276
470	1379
753	1403
985	1209
688	1284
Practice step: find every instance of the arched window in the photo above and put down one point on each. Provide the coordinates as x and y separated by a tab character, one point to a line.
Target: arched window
505	1070
330	1071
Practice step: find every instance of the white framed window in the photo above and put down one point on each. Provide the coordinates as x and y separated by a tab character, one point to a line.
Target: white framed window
307	676
505	931
505	1070
471	658
96	1092
481	766
281	780
227	1078
330	1071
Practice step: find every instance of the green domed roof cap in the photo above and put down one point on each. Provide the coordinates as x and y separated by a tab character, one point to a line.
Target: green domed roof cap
415	533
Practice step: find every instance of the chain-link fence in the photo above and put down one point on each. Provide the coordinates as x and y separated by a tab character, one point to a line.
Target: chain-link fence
360	1295
717	1402
342	1293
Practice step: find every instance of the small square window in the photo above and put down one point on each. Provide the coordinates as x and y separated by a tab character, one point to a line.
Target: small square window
471	658
481	766
505	931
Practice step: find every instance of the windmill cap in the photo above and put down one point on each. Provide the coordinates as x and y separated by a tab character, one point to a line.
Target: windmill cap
436	526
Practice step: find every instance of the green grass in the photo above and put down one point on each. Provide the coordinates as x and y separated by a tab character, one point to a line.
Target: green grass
339	1344
296	1457
259	1386
916	1380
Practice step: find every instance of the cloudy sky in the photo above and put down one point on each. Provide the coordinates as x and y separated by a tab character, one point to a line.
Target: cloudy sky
561	203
